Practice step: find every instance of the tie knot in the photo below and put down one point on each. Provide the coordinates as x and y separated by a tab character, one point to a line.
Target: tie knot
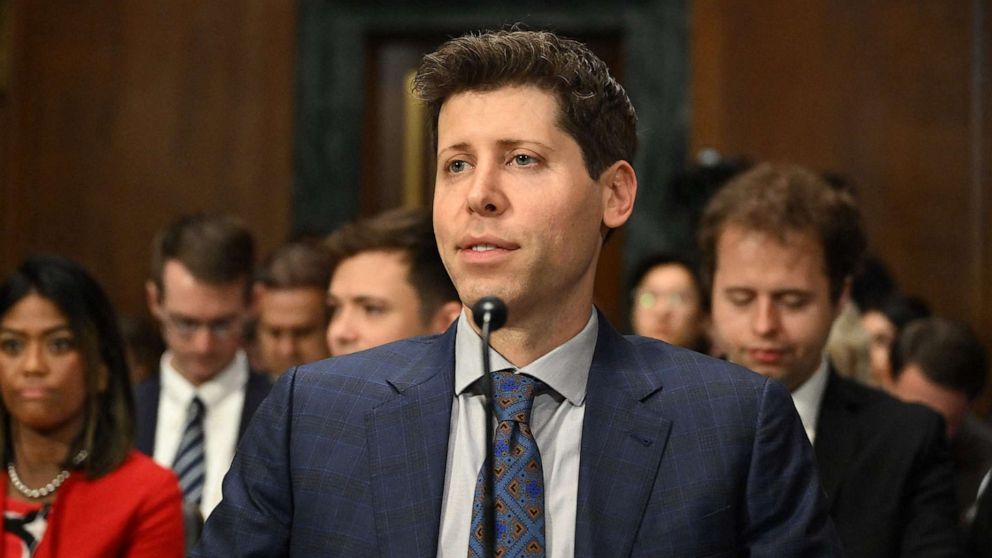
513	396
196	408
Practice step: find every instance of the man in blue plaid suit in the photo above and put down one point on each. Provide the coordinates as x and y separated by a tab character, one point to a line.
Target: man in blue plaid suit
647	449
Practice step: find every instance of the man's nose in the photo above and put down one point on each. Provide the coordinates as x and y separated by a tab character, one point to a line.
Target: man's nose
485	195
766	319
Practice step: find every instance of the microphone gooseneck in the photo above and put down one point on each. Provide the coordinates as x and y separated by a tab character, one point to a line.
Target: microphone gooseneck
489	313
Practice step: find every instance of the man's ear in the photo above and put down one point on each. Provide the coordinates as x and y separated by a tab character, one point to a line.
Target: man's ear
153	298
443	316
619	191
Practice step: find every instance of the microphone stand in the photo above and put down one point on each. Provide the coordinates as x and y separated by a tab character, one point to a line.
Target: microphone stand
489	313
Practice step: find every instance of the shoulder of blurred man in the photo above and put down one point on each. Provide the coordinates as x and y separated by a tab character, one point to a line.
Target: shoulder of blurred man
886	468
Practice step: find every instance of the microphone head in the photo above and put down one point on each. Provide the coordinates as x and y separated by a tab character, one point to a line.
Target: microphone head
494	307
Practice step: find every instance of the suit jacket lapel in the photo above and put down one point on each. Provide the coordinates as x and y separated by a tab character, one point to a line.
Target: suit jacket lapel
408	449
623	439
146	414
836	435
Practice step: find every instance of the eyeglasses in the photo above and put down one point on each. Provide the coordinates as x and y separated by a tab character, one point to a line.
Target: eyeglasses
650	299
221	328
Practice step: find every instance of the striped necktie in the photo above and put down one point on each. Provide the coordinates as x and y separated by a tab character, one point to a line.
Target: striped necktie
518	477
190	460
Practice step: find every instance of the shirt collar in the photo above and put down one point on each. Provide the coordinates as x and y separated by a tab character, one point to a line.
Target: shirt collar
808	396
211	392
565	369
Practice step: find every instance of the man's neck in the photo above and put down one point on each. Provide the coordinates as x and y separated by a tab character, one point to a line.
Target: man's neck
532	336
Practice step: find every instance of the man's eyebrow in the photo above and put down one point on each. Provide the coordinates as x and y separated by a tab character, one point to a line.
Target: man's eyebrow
503	143
365	299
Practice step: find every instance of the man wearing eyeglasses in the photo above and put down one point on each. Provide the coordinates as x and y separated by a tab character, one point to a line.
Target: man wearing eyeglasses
190	416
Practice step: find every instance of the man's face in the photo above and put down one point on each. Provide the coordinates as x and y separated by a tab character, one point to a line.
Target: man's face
201	322
772	309
291	326
516	213
372	302
914	386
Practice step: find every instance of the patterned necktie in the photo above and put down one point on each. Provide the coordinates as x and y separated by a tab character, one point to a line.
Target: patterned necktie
518	477
189	462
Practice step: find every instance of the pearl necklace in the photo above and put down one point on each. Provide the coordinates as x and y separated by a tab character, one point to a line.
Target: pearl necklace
51	487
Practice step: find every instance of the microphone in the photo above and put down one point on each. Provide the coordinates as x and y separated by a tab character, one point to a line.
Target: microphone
489	313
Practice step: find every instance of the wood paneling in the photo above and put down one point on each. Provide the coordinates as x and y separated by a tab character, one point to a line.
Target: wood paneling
124	115
884	92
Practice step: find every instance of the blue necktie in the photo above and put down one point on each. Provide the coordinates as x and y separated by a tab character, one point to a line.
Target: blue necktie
518	477
189	461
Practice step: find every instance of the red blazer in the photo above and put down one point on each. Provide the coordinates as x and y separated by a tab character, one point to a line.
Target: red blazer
134	511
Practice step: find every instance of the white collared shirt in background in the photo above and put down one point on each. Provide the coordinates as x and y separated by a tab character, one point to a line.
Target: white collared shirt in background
224	399
807	399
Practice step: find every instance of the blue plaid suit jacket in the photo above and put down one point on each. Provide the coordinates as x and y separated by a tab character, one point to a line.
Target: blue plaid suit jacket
682	455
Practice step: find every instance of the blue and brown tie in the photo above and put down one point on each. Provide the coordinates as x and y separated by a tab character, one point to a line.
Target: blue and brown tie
518	477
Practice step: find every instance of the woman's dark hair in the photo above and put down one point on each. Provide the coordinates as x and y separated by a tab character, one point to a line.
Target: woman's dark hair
108	427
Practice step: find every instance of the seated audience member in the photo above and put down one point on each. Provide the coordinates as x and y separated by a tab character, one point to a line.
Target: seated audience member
668	302
292	312
76	488
883	320
943	365
387	282
779	247
192	413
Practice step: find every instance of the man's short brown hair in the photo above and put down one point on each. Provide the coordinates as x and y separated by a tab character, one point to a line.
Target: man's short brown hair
410	233
593	107
779	199
297	264
216	249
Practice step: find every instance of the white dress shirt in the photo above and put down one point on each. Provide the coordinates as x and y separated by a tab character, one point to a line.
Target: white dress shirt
223	398
556	421
808	398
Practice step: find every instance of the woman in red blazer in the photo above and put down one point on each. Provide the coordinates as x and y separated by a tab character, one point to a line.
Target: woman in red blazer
75	487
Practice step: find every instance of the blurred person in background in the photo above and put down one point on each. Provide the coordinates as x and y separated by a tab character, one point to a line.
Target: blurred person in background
942	364
193	412
292	314
76	487
668	302
780	246
883	319
387	282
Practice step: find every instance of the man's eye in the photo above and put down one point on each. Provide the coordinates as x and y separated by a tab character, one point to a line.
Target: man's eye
373	309
458	166
794	301
739	299
524	160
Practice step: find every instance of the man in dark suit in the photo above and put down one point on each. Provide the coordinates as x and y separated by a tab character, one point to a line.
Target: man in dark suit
633	447
779	247
200	290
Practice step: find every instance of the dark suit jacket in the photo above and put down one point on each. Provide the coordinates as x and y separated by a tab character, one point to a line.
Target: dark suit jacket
886	468
146	397
681	455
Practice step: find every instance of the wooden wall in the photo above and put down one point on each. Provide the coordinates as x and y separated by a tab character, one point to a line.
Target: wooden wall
896	95
119	116
122	115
